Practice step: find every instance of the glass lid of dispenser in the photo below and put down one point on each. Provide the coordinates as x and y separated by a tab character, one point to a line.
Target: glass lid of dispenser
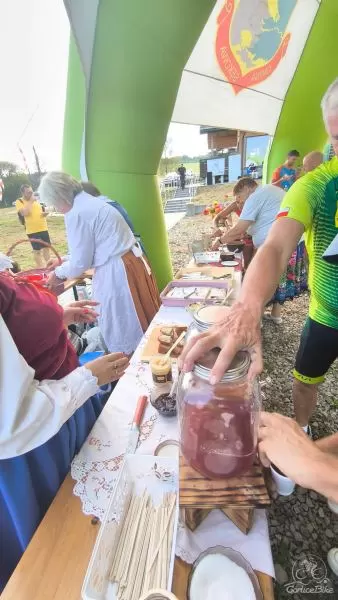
238	368
207	316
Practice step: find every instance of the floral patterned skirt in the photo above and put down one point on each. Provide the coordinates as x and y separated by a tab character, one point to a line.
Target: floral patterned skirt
294	281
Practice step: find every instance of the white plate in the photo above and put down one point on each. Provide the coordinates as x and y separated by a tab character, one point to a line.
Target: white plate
229	263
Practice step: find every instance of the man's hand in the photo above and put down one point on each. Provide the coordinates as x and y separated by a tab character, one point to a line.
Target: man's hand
283	443
27	209
108	368
228	239
80	312
217	233
240	330
237	232
216	244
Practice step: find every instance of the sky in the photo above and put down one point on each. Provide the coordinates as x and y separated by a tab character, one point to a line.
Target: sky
34	38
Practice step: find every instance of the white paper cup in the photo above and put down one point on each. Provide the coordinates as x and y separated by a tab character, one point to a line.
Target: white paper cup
284	485
332	559
333	506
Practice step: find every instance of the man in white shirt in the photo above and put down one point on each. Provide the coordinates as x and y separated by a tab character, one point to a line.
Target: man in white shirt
261	206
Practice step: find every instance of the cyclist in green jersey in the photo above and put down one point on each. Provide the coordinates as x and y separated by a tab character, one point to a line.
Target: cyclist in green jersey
309	208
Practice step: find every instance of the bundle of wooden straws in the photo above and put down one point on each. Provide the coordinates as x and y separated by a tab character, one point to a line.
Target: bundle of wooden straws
142	558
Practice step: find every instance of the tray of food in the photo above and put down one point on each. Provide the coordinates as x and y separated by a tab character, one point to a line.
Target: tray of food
184	292
135	547
208	273
202	258
161	340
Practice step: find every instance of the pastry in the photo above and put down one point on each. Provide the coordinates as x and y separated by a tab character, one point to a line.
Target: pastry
167	331
165	343
178	331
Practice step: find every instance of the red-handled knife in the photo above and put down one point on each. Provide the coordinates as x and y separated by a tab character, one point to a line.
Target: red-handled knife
135	428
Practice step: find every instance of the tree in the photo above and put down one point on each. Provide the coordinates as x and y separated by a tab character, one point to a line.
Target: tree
167	152
12	178
7	169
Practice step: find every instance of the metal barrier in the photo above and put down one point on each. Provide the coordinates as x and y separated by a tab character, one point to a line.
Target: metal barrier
170	189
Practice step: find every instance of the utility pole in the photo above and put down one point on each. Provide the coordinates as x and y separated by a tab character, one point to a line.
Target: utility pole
37	162
24	160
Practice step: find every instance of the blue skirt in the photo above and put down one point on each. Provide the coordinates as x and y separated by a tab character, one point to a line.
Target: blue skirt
29	483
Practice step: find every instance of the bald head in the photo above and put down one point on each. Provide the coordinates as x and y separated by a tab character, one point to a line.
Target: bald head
312	160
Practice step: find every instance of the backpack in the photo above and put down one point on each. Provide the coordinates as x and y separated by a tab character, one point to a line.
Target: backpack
21	217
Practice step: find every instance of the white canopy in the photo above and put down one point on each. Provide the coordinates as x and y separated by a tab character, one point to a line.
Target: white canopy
243	63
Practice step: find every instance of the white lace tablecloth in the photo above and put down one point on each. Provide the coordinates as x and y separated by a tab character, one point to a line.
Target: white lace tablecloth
96	467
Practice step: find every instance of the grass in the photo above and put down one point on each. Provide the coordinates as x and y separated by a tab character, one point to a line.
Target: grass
11	231
193	166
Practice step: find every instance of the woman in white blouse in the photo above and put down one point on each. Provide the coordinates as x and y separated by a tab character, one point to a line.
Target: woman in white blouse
99	238
38	409
42	426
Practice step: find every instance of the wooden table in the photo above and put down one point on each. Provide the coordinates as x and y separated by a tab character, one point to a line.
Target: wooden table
55	562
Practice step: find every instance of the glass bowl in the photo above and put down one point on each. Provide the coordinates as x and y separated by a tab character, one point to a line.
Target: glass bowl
237	558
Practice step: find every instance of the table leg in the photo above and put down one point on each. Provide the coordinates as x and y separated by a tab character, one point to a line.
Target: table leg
76	296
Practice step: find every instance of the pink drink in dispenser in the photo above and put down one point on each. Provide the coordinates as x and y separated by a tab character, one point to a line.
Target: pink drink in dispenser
218	424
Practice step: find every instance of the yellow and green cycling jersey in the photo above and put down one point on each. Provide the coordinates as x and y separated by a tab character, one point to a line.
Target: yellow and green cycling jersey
313	201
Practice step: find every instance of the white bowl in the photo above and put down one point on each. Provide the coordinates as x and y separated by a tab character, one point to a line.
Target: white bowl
238	559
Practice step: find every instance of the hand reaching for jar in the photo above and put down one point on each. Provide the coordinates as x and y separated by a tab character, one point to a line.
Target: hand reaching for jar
240	330
108	368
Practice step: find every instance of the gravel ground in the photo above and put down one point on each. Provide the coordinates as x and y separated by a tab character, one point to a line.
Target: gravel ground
302	525
183	234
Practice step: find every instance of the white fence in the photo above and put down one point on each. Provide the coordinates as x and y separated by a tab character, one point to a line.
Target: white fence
171	188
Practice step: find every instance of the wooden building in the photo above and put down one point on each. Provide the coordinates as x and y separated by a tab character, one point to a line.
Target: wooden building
234	143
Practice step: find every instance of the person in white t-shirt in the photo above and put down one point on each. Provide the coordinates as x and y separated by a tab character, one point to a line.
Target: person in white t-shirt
260	210
261	206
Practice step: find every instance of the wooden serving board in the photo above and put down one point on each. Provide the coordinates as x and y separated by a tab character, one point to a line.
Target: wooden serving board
151	347
246	491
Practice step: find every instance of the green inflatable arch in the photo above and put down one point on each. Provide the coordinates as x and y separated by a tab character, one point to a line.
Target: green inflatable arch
129	106
126	63
300	123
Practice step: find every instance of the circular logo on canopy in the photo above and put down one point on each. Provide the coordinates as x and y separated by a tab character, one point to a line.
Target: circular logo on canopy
252	39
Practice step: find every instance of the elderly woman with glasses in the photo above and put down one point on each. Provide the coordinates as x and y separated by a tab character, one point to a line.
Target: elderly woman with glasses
99	238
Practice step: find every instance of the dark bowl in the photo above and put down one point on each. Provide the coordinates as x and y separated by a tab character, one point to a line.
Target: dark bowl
227	256
165	404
